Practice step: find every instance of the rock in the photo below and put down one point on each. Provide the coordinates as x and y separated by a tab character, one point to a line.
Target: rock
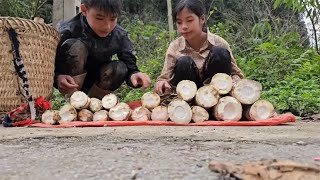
301	143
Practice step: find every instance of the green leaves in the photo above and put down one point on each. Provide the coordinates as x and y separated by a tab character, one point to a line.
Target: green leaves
27	9
290	77
301	97
151	42
58	100
296	5
262	29
310	7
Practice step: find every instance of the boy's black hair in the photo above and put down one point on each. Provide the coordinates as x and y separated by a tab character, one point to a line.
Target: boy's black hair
110	7
195	6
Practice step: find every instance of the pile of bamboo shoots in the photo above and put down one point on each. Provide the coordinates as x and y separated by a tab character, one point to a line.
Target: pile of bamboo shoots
219	99
83	108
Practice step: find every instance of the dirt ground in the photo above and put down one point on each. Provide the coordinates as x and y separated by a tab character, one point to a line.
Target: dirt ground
148	152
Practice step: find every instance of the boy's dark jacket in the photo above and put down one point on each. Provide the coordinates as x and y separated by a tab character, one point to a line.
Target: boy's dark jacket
100	49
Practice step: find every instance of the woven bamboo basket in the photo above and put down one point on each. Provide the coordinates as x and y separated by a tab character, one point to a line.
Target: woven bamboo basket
38	43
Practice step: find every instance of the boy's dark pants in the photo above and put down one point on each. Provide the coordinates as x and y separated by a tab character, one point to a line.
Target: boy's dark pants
219	61
98	78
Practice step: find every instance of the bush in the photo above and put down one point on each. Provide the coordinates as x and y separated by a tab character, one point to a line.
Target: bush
151	42
299	91
288	72
290	76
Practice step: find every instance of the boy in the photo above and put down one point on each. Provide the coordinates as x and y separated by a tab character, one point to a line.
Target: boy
88	41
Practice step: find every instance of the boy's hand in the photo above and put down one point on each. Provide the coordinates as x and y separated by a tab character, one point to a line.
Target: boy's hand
141	79
161	87
66	84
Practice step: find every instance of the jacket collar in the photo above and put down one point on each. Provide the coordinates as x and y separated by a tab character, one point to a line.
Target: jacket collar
183	42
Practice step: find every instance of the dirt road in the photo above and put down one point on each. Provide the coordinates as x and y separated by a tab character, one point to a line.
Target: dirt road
147	152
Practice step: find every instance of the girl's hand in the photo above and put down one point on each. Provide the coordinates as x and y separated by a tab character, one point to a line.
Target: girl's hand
235	79
161	87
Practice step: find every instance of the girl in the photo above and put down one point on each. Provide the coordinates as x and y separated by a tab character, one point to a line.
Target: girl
198	54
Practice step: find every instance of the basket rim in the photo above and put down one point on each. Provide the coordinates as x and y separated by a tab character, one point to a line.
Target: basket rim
7	22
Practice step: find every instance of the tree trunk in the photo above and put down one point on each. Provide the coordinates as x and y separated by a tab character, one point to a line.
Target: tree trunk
170	20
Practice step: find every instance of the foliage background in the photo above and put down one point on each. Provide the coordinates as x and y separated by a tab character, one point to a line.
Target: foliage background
267	37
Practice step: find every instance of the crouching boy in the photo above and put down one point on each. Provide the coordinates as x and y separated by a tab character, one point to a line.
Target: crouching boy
84	54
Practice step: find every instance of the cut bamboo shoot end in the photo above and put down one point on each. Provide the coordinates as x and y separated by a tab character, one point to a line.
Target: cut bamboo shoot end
67	113
85	115
186	90
120	112
207	96
140	114
222	83
109	101
260	110
228	109
79	100
199	114
101	115
247	91
95	104
160	113
150	100
50	117
180	111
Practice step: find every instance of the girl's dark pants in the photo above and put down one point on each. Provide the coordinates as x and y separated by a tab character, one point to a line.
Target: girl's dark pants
218	61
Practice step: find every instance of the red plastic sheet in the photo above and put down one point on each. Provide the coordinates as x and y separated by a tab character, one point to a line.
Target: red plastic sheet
280	119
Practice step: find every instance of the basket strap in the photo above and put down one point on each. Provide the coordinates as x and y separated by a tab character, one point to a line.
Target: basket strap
20	69
8	120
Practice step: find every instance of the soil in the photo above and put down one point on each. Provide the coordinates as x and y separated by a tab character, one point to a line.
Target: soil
148	152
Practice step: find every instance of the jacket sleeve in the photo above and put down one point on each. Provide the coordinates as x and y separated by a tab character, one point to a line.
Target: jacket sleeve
169	63
59	60
126	55
235	70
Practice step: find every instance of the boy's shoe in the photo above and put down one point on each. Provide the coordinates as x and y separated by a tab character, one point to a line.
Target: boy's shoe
79	79
98	92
